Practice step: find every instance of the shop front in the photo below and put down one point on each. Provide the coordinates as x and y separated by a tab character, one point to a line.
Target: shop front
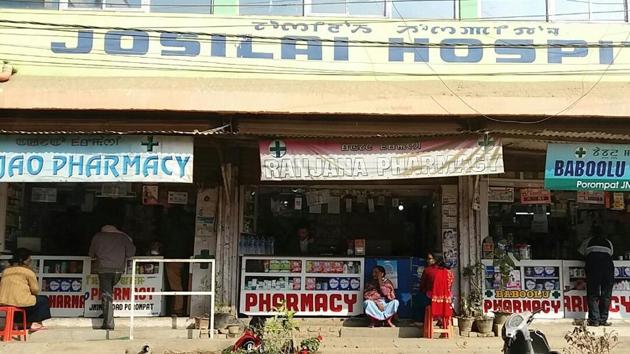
60	190
326	212
544	222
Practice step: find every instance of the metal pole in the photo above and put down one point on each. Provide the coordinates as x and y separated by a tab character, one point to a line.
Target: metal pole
212	301
133	297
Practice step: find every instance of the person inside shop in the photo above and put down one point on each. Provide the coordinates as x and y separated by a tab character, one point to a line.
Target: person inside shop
380	302
598	251
435	287
177	235
110	248
301	243
19	288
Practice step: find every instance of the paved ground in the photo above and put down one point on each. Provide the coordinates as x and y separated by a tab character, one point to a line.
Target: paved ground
71	337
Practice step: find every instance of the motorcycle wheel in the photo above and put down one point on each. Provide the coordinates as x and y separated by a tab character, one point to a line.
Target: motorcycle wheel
249	346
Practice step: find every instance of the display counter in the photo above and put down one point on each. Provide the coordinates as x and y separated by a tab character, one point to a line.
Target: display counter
533	284
575	302
74	292
149	278
309	286
63	280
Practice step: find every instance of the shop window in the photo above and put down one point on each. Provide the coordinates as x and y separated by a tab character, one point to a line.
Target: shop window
30	4
182	6
366	8
271	7
429	9
588	10
513	10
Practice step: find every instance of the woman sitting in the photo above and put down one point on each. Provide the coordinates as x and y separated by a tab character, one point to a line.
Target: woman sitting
19	288
435	287
380	299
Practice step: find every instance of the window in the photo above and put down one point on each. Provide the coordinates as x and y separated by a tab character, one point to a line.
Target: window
514	10
425	9
182	6
30	4
369	8
588	10
271	7
101	4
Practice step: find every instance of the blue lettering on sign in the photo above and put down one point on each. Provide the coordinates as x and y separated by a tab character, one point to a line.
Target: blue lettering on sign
518	50
398	48
313	50
90	166
245	50
187	48
452	50
473	46
139	40
85	41
571	168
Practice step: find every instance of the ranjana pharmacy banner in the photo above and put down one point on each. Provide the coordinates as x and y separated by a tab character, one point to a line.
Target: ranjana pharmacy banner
96	158
299	160
588	167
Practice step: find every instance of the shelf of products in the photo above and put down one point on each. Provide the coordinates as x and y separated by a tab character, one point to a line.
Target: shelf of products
310	286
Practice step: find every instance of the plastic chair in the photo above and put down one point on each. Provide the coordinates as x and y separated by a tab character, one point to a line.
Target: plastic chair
429	330
9	330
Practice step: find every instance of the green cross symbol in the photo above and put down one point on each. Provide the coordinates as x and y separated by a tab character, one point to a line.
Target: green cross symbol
489	293
150	144
486	141
556	294
277	149
580	152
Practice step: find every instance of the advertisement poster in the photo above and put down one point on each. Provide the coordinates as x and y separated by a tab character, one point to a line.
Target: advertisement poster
391	270
591	197
178	198
302	160
150	195
501	194
535	196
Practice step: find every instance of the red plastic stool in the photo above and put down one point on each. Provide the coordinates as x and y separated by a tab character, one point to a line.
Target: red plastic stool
9	330
447	326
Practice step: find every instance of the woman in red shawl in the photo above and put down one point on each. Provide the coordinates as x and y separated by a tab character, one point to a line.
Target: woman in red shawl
435	287
380	302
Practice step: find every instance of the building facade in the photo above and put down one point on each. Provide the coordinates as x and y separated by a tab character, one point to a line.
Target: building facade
229	74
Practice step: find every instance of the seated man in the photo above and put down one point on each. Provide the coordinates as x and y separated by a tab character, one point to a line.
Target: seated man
380	300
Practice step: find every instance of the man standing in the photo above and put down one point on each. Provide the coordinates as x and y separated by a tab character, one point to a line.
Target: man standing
110	247
598	251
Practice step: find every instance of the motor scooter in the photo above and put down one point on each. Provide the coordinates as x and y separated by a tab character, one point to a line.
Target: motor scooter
519	339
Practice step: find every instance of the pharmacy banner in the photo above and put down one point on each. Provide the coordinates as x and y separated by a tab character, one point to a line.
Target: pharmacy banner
96	158
299	160
588	167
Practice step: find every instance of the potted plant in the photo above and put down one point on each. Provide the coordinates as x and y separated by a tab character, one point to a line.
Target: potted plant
465	321
505	265
310	345
475	273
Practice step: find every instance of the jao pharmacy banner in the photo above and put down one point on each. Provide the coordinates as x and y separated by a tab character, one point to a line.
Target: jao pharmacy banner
588	167
298	160
96	158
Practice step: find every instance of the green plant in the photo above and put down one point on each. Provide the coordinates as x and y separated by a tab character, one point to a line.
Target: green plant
311	344
583	341
277	332
505	265
474	273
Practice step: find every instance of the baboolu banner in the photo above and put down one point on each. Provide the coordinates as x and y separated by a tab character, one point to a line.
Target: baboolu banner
588	167
96	158
297	160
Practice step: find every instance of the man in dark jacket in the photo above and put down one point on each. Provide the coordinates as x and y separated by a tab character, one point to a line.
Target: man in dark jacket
598	251
111	248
